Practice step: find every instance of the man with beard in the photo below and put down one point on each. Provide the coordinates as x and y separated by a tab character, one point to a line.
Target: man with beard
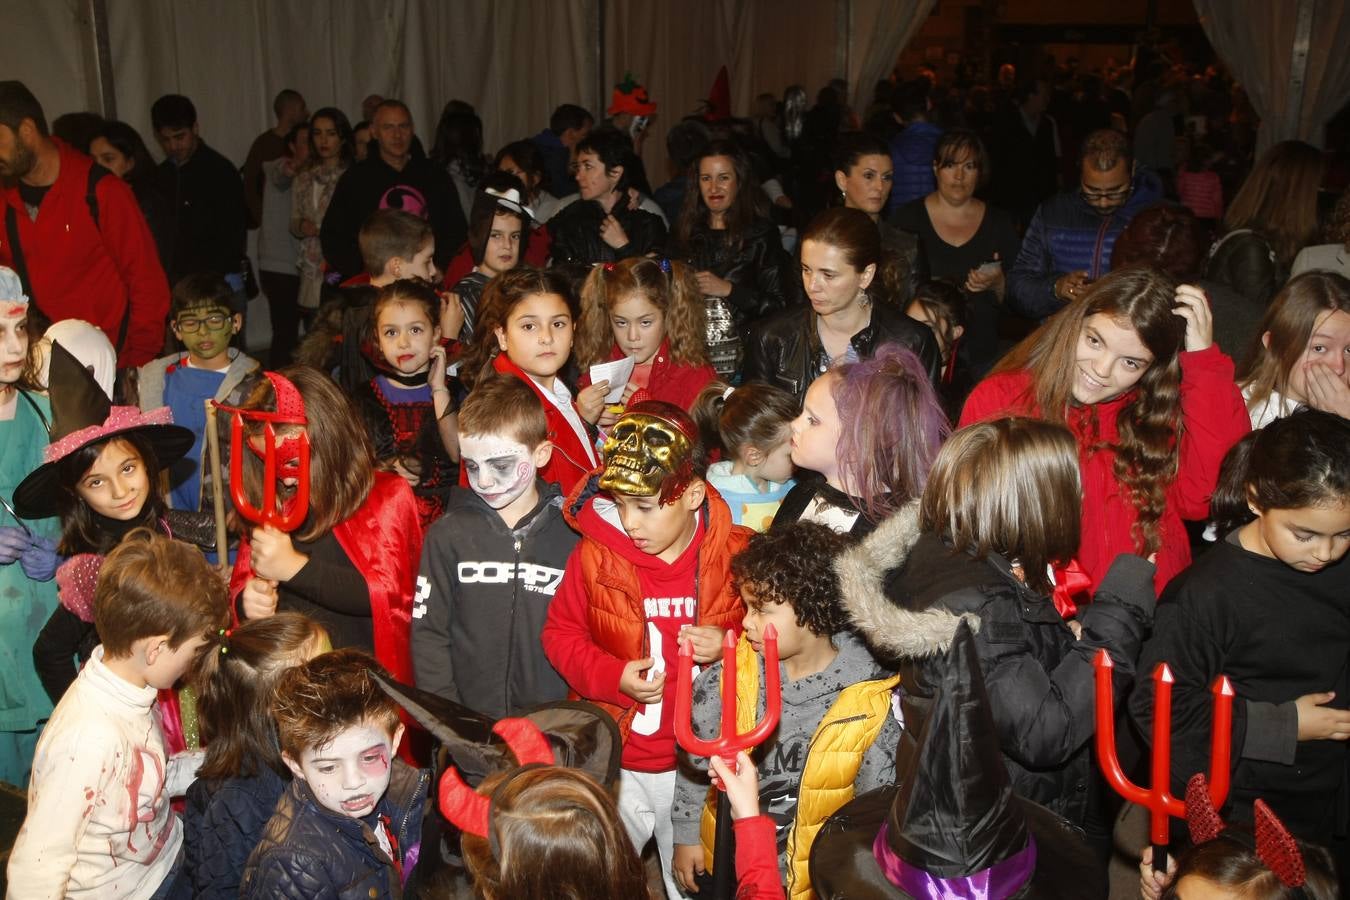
1068	244
75	235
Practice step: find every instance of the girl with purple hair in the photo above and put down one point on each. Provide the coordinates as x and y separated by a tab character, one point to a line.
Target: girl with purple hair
869	430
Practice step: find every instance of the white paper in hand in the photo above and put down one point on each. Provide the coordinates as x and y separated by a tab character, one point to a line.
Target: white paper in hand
616	373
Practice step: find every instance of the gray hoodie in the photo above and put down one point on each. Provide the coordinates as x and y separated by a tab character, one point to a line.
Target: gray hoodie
782	758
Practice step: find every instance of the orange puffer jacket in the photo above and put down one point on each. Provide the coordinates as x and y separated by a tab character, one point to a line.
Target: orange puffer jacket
596	622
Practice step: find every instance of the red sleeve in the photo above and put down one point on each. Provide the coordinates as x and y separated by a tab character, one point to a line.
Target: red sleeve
132	249
1214	418
586	667
993	398
756	860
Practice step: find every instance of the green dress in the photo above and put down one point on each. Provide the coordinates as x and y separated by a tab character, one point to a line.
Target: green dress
25	605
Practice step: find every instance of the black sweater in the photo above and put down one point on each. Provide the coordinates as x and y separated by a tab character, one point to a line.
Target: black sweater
209	219
1278	634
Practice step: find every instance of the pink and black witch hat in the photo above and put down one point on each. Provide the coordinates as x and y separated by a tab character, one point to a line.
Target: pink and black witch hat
81	415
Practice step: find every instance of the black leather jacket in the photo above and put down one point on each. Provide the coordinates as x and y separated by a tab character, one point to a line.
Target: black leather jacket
785	350
760	271
576	234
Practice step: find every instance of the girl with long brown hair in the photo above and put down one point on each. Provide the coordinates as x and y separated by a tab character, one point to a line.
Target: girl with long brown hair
1300	356
1132	369
243	776
650	310
352	562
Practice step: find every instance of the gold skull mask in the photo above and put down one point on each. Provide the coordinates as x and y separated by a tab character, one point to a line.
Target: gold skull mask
647	456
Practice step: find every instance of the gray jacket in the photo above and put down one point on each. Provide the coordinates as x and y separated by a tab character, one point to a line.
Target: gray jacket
782	758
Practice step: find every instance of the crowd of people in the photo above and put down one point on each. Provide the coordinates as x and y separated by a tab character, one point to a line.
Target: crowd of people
895	422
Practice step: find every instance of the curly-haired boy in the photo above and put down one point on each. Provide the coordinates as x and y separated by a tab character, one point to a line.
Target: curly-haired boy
836	737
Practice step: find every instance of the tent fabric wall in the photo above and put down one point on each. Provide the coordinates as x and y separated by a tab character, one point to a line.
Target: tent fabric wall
231	59
48	46
515	60
1255	38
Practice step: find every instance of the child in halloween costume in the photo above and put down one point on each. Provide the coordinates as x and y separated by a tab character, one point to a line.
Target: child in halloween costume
351	562
499	233
653	568
407	409
101	476
27	550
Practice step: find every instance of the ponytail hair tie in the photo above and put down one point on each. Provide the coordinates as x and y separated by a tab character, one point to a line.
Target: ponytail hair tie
665	265
224	635
608	267
726	395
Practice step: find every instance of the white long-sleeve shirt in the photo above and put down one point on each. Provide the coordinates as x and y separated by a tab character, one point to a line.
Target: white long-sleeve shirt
99	822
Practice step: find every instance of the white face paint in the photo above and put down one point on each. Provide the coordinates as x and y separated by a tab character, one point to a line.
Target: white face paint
350	773
499	469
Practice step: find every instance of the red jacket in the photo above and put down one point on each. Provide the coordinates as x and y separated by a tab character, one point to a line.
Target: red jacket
80	270
670	381
383	539
596	623
570	461
1213	419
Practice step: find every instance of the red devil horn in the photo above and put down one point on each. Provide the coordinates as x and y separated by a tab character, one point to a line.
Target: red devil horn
1277	848
462	805
526	741
1201	817
467	808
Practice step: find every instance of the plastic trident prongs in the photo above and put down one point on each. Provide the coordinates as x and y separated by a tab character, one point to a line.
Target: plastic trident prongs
268	514
728	743
1157	798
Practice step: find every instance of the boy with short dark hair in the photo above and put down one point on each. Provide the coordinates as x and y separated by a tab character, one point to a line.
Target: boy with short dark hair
653	568
395	244
99	823
836	737
492	562
350	824
207	369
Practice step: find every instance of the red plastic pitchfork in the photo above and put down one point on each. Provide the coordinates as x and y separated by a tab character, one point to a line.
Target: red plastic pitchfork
1158	799
728	742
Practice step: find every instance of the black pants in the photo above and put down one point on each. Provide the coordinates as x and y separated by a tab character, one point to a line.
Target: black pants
283	301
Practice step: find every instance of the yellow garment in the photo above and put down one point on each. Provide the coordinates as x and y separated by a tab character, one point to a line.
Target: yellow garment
833	758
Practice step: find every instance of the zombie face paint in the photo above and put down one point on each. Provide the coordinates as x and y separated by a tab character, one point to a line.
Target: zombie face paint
500	470
350	773
13	340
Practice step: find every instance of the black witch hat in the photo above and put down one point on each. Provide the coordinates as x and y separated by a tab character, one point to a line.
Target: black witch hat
83	414
579	735
953	826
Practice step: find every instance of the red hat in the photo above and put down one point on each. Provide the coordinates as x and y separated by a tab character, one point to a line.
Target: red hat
630	97
719	98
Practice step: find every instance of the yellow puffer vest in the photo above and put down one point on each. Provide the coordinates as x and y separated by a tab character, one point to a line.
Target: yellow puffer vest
832	760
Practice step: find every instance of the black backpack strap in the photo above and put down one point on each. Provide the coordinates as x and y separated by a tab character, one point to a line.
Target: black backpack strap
96	173
16	249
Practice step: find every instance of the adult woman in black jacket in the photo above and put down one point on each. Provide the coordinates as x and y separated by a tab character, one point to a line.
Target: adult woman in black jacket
725	235
604	223
841	252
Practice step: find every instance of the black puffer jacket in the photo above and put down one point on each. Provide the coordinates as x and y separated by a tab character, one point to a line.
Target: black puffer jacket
760	271
785	350
309	851
906	593
576	234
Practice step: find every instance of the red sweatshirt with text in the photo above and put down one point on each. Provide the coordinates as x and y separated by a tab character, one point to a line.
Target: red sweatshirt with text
617	603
